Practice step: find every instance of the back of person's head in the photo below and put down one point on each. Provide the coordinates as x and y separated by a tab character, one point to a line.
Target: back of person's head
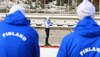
48	18
0	18
17	7
86	8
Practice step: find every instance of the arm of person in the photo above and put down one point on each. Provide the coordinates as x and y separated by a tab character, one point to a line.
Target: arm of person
63	50
48	22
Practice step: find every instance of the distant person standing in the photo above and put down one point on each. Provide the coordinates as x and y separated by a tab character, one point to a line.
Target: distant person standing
85	40
1	18
47	29
17	38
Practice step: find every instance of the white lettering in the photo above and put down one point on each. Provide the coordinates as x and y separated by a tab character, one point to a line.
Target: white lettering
16	34
21	36
24	38
12	33
6	34
89	50
98	50
93	49
86	50
9	33
3	34
81	53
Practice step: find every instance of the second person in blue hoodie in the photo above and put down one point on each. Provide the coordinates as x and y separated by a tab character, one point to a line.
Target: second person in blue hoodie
85	40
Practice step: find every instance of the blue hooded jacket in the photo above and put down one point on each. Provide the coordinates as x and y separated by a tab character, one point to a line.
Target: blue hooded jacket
17	38
83	42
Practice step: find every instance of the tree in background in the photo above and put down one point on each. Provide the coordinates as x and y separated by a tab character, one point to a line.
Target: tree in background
62	2
33	0
96	4
42	3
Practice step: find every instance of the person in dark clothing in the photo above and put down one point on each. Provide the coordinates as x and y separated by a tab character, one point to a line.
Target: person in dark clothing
47	36
47	29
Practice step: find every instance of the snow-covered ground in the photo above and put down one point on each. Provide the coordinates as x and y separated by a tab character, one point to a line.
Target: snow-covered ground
48	52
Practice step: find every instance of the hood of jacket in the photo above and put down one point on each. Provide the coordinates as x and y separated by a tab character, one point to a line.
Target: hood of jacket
16	18
87	28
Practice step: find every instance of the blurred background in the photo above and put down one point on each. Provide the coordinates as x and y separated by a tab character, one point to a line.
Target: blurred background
47	6
61	12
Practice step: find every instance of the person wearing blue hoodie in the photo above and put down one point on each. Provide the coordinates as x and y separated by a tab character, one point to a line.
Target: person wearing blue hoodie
47	29
85	40
17	38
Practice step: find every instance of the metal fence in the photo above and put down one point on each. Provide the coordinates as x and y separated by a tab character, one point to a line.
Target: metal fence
35	7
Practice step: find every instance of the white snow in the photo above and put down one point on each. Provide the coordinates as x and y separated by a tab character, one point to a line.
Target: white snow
48	52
